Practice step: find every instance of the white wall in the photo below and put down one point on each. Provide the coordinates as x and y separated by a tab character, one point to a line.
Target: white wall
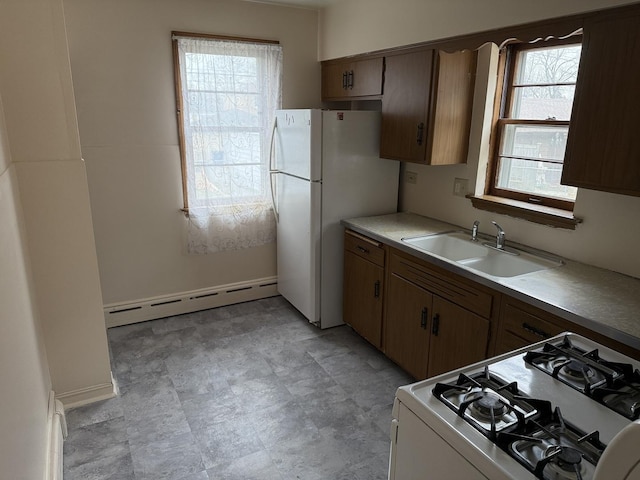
123	79
50	189
608	236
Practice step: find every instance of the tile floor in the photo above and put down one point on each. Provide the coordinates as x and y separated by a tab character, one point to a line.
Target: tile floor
248	391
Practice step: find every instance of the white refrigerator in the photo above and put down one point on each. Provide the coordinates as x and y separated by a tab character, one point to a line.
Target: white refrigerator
325	167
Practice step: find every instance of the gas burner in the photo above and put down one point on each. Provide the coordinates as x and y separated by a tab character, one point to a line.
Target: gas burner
488	405
486	401
553	449
564	463
576	369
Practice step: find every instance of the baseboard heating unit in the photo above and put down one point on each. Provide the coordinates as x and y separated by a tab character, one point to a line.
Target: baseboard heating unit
186	302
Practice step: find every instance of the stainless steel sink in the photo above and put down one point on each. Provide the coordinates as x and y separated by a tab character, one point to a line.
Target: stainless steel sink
458	247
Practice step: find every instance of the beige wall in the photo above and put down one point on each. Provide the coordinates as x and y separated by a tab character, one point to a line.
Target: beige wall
608	236
24	373
50	191
123	80
348	27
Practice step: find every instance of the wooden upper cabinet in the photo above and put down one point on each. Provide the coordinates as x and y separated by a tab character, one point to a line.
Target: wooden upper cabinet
352	78
603	151
426	106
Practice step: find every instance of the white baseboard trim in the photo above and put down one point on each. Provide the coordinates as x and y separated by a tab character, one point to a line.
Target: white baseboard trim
57	432
84	396
186	302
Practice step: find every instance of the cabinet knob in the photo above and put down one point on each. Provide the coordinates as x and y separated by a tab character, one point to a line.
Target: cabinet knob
376	289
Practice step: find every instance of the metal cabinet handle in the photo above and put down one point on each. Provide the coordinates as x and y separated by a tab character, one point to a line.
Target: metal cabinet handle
362	249
344	80
435	328
420	135
535	331
376	289
423	318
350	79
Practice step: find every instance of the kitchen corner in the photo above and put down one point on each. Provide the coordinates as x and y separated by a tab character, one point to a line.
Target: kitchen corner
600	300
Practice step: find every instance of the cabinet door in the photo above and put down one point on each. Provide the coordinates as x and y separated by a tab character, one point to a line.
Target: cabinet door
451	106
602	147
334	80
406	327
365	78
458	337
355	78
363	297
407	85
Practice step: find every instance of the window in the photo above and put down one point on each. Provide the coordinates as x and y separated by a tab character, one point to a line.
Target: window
227	93
531	132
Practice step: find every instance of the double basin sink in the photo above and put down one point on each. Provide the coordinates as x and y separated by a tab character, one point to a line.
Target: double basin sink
482	257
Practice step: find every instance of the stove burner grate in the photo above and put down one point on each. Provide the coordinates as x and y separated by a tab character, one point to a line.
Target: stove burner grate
486	401
553	449
581	370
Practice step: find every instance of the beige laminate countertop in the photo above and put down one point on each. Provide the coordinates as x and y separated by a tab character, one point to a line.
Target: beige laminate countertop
601	300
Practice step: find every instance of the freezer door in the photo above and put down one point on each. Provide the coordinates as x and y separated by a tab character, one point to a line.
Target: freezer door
298	244
298	137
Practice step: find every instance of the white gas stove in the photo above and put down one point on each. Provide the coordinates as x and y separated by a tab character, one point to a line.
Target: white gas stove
564	408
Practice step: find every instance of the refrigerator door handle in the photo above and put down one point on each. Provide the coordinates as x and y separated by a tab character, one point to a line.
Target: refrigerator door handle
272	143
273	194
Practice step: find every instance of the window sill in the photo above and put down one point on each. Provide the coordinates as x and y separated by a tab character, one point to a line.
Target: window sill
553	217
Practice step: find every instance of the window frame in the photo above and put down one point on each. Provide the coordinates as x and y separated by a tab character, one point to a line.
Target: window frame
180	110
507	67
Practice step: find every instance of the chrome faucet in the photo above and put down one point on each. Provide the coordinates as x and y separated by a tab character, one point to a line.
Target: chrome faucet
474	231
500	239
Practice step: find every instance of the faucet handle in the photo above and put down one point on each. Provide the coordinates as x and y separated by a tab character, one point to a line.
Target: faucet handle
474	231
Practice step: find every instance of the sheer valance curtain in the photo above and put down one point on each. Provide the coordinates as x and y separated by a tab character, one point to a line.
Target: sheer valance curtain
229	92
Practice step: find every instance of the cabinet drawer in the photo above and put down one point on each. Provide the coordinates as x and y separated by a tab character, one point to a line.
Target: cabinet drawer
527	326
364	247
453	288
522	324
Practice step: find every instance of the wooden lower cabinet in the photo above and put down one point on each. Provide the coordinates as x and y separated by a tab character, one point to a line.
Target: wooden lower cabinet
427	335
362	307
406	327
363	289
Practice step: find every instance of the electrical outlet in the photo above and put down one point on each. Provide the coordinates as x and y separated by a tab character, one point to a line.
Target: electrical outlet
411	177
460	186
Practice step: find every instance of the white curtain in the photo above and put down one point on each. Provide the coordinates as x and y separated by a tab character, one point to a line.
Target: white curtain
230	92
